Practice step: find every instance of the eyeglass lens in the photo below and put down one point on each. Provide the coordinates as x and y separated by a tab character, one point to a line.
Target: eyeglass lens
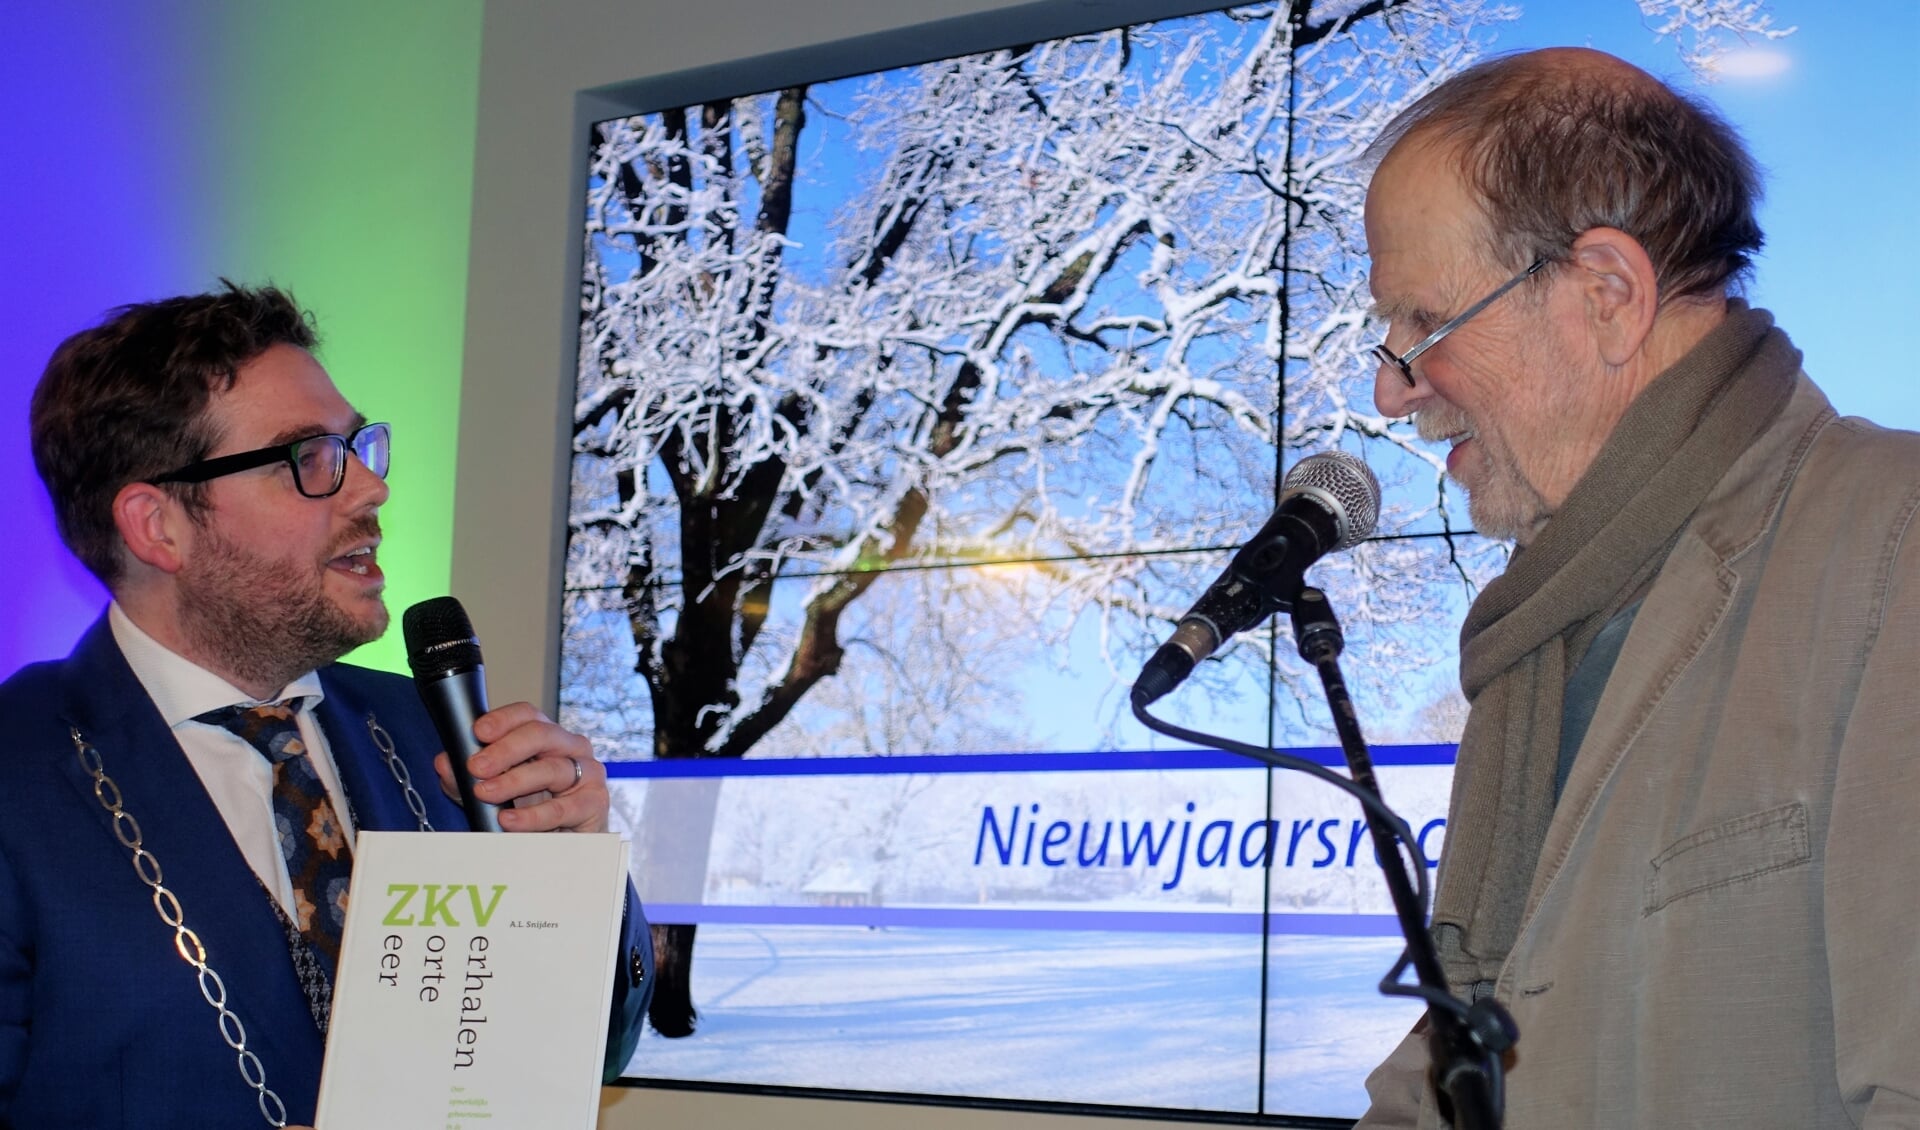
320	463
1385	356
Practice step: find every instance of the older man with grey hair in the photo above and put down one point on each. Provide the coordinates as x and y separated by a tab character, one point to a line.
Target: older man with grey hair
1675	849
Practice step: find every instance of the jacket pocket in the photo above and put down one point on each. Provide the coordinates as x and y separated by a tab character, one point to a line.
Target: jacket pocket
1728	852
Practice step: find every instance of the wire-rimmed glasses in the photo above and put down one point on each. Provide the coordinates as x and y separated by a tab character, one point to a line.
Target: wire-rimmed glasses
1403	362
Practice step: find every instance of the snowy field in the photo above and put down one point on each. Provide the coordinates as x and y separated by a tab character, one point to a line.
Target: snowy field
1134	1019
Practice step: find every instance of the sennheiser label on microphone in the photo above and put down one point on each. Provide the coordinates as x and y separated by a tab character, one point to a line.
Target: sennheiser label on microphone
448	645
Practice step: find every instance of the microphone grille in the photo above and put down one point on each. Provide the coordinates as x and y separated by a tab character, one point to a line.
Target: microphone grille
440	638
1343	484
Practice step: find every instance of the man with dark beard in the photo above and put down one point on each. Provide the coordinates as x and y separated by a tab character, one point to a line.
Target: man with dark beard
203	466
1676	847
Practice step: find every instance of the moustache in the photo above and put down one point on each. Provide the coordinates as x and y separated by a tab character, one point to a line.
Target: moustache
361	530
1440	422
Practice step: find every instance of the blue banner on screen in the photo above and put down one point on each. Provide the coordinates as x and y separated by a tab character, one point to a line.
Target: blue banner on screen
1154	841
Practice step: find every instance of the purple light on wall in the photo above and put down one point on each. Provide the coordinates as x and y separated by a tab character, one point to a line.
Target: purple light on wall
99	208
146	150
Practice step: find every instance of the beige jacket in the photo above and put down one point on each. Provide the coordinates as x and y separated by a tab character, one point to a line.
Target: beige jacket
1724	926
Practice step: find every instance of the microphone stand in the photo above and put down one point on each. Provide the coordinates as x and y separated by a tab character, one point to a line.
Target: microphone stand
1466	1042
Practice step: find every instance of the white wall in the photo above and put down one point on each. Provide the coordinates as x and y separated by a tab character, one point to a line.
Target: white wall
536	59
634	1108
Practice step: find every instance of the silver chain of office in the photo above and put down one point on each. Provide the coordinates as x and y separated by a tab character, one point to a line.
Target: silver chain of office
398	768
126	829
166	904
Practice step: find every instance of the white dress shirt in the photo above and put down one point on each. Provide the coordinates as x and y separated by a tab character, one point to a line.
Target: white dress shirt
236	776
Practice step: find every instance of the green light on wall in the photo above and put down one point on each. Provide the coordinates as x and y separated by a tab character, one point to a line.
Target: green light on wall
347	146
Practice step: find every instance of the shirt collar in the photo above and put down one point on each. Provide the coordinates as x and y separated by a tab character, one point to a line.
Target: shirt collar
181	688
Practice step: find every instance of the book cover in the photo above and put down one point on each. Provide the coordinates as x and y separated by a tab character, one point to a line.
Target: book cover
474	982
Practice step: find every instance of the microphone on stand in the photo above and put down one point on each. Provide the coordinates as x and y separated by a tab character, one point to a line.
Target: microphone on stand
445	657
1329	501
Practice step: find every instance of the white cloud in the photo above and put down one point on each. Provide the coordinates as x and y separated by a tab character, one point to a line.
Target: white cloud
1751	62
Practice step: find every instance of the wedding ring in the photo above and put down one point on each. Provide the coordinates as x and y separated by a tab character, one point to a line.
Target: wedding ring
578	773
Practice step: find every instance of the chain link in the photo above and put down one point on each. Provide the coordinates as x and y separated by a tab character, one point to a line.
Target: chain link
398	768
167	905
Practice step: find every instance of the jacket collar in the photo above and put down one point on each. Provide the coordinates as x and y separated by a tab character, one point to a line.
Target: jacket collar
1748	499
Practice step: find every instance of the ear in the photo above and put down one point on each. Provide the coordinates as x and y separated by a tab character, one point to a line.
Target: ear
152	524
1620	291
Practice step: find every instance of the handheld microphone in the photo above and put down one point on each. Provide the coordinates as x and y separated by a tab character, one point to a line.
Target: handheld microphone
1328	501
445	657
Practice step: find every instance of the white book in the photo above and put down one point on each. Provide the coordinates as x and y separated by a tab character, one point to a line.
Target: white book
474	982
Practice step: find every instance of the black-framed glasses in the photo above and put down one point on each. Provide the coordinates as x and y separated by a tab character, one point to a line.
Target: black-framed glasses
1403	362
319	462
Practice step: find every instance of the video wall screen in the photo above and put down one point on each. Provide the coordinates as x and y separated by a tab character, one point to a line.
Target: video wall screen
913	409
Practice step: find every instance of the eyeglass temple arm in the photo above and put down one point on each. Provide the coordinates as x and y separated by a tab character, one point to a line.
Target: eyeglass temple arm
224	465
1455	323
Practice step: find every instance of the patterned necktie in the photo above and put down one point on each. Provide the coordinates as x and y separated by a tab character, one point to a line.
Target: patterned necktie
312	840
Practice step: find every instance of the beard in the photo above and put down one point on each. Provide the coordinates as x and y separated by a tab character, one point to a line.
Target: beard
1504	504
269	621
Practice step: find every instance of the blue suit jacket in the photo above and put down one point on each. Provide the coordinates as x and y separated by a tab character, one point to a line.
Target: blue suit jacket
102	1024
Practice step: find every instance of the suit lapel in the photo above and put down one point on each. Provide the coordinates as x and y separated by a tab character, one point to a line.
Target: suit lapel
220	898
1672	627
379	801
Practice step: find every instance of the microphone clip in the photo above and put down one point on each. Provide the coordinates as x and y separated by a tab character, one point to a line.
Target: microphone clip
1316	630
1264	579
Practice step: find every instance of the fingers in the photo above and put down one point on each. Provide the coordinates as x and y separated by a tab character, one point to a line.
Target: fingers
572	808
495	724
443	768
550	771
